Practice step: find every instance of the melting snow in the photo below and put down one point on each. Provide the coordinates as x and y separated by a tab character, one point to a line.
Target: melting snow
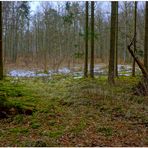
99	69
64	70
21	73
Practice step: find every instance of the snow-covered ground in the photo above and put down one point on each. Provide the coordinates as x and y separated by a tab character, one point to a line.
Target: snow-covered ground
29	73
99	69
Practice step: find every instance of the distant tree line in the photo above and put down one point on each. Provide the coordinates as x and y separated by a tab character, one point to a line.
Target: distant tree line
55	34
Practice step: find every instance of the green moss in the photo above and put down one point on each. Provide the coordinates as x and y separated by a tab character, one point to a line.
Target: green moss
19	130
54	134
67	106
19	119
79	127
35	125
107	131
52	122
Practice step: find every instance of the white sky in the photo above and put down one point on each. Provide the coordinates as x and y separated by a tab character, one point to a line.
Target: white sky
34	5
105	6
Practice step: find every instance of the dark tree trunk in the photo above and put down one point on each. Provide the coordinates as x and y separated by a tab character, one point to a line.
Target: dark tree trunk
141	66
116	49
92	41
86	41
111	73
1	50
146	38
142	87
135	32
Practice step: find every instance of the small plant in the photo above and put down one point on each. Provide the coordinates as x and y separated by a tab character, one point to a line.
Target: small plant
18	119
35	125
55	134
40	143
3	100
107	131
78	127
18	130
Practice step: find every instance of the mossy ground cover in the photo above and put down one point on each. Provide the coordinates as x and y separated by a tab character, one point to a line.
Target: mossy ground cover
74	112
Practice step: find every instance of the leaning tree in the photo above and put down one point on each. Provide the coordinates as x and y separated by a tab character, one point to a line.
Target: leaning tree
142	87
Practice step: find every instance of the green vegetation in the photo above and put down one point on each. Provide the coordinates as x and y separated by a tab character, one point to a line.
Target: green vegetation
74	112
106	131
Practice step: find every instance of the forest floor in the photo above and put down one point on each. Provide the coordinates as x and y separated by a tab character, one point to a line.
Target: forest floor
70	111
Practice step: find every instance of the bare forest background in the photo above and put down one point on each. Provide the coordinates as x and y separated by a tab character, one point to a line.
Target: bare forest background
54	34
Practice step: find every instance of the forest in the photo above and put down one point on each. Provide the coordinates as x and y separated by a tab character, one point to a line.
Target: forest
73	73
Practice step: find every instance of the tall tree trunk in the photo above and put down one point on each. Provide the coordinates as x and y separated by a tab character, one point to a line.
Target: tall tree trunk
5	47
126	21
28	40
92	41
112	43
16	40
116	43
135	32
146	38
1	50
86	41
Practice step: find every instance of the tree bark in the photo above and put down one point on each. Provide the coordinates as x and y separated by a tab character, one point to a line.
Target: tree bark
116	44
135	34
141	66
1	50
146	38
92	41
126	23
86	41
111	73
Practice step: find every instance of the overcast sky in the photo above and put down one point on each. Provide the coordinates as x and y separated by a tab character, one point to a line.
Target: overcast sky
34	5
105	6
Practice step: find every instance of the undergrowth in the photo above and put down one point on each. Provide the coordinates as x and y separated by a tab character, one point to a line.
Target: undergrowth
74	112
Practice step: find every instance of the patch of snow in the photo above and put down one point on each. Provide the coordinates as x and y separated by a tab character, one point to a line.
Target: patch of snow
124	67
22	73
50	71
64	70
79	77
78	74
125	74
26	73
99	69
42	75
